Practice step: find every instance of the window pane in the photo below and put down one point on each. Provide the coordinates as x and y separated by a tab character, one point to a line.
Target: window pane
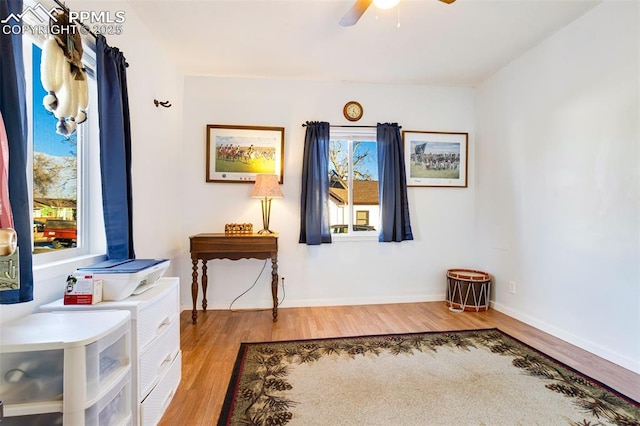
339	170
364	163
55	175
339	186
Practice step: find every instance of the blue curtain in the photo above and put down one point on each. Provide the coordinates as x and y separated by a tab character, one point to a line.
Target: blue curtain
394	205
314	203
14	112
115	149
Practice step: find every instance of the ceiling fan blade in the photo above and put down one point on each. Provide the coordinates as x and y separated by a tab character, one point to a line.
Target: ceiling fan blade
354	14
447	1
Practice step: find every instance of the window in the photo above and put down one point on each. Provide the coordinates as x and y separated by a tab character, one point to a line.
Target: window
362	217
353	183
67	217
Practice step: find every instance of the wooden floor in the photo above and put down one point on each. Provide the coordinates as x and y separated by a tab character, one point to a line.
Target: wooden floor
209	348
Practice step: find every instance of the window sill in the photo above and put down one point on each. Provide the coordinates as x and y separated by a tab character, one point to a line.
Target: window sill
338	238
64	267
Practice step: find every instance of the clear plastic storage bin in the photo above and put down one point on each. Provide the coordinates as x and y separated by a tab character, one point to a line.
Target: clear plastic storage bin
66	367
31	376
105	358
114	408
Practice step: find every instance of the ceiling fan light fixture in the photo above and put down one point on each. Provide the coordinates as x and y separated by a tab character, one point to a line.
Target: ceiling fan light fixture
386	4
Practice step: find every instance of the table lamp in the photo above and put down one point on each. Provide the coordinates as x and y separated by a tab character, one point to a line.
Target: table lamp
266	188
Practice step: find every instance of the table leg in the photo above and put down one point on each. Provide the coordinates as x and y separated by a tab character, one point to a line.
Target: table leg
205	284
194	290
274	285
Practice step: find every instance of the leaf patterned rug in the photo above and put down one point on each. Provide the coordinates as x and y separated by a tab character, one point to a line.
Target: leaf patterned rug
475	377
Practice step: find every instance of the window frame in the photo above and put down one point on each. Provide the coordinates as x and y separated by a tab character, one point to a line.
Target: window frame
91	244
351	135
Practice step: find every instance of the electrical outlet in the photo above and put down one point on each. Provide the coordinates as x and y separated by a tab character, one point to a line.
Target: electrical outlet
512	287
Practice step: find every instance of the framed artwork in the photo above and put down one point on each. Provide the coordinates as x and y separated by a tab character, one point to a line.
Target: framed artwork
239	153
435	158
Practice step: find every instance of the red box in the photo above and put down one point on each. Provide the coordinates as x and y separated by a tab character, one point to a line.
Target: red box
83	290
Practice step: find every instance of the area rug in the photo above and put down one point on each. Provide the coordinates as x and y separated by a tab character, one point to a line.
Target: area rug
474	377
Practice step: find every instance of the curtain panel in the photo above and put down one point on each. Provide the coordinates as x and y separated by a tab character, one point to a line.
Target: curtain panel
394	204
314	202
14	113
115	150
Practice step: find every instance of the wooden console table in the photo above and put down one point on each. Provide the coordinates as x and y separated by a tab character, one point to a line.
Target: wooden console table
231	246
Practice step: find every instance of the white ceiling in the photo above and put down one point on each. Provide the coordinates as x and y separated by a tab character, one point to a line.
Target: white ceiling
460	44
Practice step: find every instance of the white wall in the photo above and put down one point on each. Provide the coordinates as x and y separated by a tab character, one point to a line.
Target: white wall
156	151
558	187
340	273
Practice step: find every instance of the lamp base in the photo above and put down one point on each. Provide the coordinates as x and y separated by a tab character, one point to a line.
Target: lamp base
266	212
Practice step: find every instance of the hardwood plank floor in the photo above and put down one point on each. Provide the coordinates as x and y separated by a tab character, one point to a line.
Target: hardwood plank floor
209	348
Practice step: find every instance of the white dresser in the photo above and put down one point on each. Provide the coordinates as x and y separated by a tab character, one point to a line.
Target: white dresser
155	339
63	367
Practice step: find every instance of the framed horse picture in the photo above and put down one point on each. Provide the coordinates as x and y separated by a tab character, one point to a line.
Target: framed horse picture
239	153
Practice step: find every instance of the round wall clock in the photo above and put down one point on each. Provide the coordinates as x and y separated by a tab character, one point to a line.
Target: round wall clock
352	111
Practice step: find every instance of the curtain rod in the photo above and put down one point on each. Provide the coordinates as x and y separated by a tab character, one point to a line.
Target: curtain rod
346	125
66	9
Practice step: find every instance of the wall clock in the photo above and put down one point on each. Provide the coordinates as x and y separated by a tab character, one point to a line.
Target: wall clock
352	111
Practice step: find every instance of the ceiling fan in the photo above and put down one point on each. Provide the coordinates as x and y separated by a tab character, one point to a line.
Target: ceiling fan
360	6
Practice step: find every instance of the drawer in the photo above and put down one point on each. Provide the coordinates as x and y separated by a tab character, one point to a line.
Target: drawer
155	361
31	376
106	359
114	408
156	316
154	406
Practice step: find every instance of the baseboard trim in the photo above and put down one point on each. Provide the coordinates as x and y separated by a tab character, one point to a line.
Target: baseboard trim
306	303
381	300
602	352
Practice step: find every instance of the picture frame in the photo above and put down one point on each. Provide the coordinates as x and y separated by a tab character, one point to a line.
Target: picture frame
236	154
435	158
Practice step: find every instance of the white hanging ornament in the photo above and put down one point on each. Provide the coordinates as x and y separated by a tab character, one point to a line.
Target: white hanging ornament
63	76
64	95
51	68
71	125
